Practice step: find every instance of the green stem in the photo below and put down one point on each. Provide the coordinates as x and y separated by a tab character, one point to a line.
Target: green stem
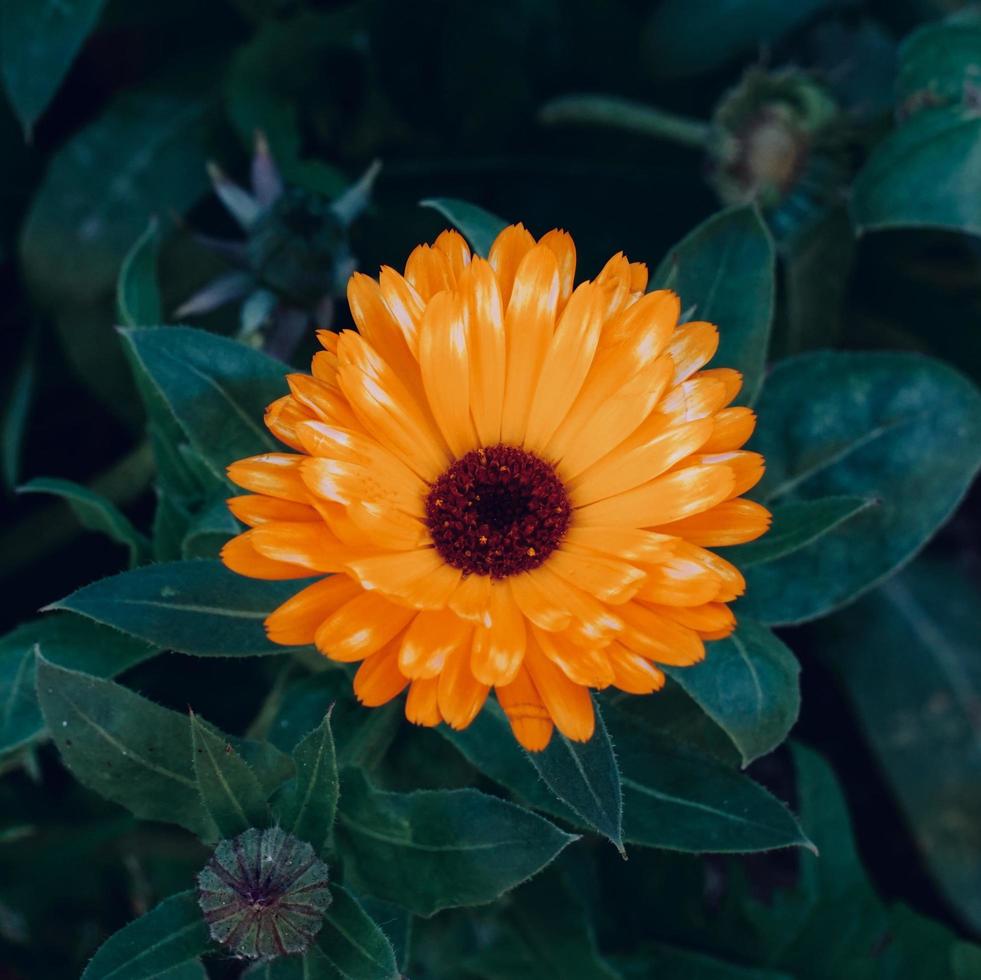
607	110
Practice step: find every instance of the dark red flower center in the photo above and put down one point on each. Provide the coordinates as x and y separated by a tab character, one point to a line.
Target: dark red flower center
497	511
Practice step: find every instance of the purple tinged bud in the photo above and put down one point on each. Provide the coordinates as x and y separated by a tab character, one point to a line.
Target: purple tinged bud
264	894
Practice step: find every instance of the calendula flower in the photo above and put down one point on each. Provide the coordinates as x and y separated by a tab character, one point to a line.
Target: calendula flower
512	483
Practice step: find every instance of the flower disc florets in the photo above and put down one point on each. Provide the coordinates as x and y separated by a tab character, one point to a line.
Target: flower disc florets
497	511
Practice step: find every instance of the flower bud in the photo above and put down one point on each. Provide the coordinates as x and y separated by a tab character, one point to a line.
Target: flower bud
264	894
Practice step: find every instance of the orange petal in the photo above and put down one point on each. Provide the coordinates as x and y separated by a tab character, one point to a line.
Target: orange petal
379	679
421	706
633	673
471	599
387	410
733	427
569	704
627	543
562	245
731	378
566	363
693	345
608	579
274	474
668	498
681	580
588	666
404	304
360	627
420	578
321	401
460	694
282	417
713	617
445	361
728	523
660	638
505	255
323	366
528	323
429	642
355	469
499	649
429	272
310	545
696	398
584	437
453	245
253	509
488	350
623	470
529	718
639	333
595	621
537	606
239	554
296	621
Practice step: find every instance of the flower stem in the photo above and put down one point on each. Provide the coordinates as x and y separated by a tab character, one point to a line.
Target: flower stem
607	110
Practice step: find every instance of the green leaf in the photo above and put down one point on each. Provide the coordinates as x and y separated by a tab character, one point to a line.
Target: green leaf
678	793
863	425
478	226
123	746
725	268
95	513
16	413
677	798
229	789
209	531
437	849
748	685
39	40
832	897
135	752
682	39
144	155
817	261
307	804
69	641
671	963
542	933
907	655
217	389
923	175
167	937
361	737
352	943
197	607
137	292
585	776
796	524
938	64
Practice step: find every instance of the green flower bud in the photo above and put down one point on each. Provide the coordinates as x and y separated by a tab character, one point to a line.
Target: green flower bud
765	131
264	894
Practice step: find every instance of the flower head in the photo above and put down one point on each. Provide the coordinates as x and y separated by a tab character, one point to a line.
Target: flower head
511	483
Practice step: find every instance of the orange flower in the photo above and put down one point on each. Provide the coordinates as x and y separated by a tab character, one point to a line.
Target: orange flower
508	483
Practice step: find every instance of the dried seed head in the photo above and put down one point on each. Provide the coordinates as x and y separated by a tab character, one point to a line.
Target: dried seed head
264	893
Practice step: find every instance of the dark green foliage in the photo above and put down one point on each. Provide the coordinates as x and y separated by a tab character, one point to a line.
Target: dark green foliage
438	849
724	273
